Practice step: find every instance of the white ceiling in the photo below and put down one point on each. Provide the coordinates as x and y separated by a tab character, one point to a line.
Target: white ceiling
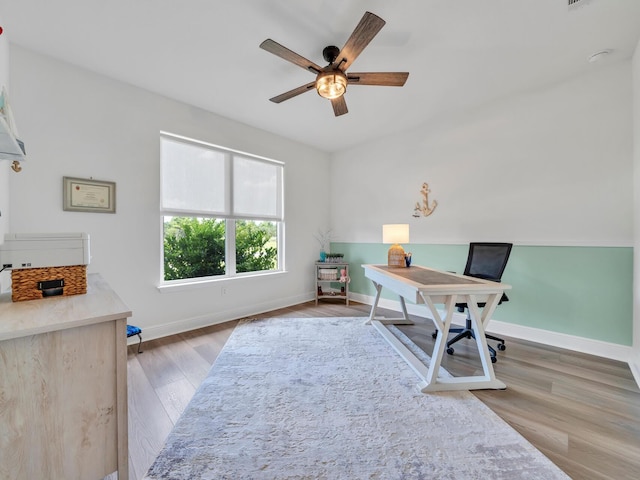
460	53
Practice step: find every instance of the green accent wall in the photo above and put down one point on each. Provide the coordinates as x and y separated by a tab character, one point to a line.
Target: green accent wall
580	291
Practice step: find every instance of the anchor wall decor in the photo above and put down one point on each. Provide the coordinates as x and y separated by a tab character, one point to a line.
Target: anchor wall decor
425	209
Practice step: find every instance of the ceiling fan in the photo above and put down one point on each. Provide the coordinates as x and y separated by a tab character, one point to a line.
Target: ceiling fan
331	81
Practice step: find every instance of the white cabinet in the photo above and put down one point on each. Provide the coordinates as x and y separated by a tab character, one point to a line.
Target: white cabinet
332	281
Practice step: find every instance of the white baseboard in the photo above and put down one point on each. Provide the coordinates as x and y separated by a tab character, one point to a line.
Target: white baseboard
570	342
214	318
613	351
634	365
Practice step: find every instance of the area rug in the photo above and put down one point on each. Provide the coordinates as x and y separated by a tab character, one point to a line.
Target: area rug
328	398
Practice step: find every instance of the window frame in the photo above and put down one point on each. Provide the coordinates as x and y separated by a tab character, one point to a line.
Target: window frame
229	218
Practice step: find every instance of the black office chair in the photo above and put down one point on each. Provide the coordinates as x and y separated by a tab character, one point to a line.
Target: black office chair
487	261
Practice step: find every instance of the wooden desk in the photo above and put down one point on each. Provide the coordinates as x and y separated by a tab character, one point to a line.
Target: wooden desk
63	386
426	286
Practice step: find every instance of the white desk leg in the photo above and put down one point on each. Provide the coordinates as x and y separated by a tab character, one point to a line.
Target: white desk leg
433	383
405	314
374	307
443	327
478	321
404	320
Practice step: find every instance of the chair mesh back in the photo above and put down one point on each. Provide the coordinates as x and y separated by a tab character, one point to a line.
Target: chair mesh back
487	260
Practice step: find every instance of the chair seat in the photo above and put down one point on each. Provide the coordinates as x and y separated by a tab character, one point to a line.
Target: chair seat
133	330
461	306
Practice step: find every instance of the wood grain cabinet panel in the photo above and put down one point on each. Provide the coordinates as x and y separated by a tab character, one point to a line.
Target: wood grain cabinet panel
63	386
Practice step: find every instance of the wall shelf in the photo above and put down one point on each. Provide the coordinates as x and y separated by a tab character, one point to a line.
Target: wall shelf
11	148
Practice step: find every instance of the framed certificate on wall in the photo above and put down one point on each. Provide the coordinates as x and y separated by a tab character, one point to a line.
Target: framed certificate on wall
88	195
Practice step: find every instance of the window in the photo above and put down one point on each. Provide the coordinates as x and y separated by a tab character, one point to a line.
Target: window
222	213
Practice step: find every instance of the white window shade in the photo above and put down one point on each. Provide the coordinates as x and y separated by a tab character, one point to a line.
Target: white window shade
193	178
257	188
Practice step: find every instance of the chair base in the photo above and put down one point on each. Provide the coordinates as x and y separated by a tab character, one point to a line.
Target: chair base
467	332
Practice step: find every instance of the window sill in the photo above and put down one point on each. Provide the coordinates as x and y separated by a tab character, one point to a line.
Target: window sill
210	282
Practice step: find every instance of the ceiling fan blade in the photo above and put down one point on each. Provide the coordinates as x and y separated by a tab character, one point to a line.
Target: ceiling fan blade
293	93
388	79
364	32
290	56
339	106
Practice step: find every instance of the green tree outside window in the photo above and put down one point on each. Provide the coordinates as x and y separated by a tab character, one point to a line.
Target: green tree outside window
195	247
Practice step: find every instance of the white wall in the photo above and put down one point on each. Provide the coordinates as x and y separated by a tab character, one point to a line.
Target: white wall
5	165
549	167
85	125
635	361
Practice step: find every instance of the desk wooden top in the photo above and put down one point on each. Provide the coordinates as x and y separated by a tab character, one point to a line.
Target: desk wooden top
426	276
411	280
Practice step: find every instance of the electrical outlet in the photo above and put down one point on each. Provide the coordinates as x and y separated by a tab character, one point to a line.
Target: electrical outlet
223	291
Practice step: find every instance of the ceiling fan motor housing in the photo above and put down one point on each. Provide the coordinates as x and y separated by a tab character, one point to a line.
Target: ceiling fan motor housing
330	53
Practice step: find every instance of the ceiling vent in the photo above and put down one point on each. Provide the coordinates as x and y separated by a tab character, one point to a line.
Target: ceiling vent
574	4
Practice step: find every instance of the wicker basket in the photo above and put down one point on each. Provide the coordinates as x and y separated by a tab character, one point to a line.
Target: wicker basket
327	274
27	283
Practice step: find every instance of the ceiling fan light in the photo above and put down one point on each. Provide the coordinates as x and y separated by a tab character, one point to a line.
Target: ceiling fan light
331	84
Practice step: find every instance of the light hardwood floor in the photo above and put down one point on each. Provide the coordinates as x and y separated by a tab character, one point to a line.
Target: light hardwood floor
582	411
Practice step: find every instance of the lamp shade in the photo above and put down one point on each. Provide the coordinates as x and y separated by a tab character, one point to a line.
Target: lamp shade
395	233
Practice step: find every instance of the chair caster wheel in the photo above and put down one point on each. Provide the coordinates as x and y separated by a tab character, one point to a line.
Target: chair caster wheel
450	351
502	347
494	359
434	335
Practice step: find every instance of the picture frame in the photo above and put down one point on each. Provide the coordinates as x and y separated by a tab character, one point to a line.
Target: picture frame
88	195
